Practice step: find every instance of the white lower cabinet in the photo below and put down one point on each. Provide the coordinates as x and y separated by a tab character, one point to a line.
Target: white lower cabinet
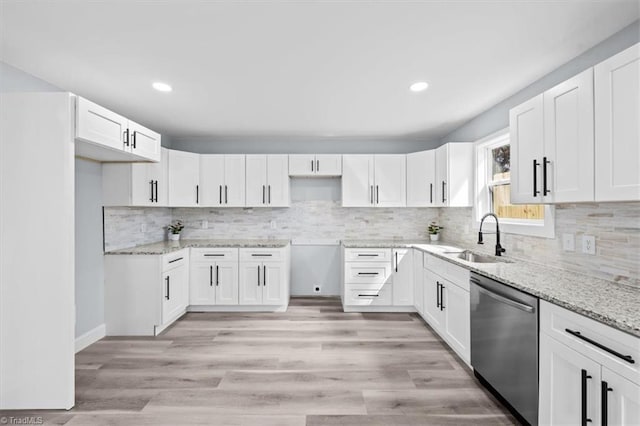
264	277
144	294
589	372
214	277
446	303
402	277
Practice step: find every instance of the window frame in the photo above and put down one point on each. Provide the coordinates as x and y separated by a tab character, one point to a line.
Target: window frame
530	227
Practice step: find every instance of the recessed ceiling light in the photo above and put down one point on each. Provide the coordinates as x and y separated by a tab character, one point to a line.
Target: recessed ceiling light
419	86
161	87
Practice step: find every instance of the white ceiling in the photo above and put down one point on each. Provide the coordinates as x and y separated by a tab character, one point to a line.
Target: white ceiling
301	68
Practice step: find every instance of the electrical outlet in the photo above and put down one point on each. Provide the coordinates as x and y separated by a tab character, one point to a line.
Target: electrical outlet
273	224
316	289
589	244
205	224
143	228
568	242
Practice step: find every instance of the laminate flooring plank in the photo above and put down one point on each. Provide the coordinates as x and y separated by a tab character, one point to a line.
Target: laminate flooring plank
411	420
184	419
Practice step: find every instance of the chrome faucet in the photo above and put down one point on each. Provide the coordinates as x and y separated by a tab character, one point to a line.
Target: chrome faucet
499	249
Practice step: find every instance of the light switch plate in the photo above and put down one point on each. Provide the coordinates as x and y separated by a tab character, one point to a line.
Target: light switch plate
568	242
589	244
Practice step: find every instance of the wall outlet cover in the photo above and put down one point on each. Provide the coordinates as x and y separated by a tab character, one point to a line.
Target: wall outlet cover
589	244
568	242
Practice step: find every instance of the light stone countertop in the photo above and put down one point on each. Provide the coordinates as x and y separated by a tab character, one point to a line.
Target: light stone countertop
613	304
165	247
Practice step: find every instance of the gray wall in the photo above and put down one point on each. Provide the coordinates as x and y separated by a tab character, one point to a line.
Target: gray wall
88	212
301	145
497	117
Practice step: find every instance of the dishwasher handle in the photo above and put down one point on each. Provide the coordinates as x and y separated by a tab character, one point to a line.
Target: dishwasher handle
503	299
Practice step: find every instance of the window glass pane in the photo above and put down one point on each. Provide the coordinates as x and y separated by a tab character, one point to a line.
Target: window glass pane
502	207
501	162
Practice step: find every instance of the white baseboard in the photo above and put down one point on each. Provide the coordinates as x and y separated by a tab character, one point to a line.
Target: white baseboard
90	337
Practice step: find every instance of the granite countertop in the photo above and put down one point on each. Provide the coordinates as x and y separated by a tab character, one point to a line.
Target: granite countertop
165	247
616	305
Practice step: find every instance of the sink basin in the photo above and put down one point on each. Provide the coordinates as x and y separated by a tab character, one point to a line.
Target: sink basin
472	257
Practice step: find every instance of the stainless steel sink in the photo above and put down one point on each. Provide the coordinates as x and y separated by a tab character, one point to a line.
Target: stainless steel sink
472	257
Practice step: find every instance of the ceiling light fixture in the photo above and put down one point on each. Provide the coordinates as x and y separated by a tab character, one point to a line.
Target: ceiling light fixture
419	86
161	87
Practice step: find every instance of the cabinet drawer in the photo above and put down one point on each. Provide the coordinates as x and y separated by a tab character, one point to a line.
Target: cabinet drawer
262	254
213	254
573	329
367	296
367	255
367	273
174	260
454	273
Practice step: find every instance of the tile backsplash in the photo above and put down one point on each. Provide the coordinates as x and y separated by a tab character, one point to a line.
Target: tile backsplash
616	227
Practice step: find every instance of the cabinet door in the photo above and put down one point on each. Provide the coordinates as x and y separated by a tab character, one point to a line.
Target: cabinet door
184	178
278	180
100	126
234	181
568	140
357	181
202	289
302	165
256	183
144	142
211	180
274	292
617	108
328	165
421	179
433	314
457	321
390	175
403	277
174	293
442	176
622	400
418	283
226	283
250	282
562	385
149	182
526	133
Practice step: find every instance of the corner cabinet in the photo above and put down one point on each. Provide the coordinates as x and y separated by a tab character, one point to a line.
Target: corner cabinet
589	372
374	180
267	181
320	165
136	184
103	135
144	294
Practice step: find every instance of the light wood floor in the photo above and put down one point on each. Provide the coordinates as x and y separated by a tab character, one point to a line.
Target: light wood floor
313	365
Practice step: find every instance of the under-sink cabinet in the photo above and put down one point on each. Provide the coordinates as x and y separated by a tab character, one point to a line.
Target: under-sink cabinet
144	294
589	372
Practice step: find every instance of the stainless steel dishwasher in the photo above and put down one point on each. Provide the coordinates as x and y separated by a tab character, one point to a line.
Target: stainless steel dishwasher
504	344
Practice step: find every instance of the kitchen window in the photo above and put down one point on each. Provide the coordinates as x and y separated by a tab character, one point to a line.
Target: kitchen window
493	191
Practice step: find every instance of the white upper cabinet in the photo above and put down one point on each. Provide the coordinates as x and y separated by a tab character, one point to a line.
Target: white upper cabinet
567	163
374	180
421	179
267	181
184	179
454	175
307	165
103	135
552	144
222	180
526	139
136	184
617	132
